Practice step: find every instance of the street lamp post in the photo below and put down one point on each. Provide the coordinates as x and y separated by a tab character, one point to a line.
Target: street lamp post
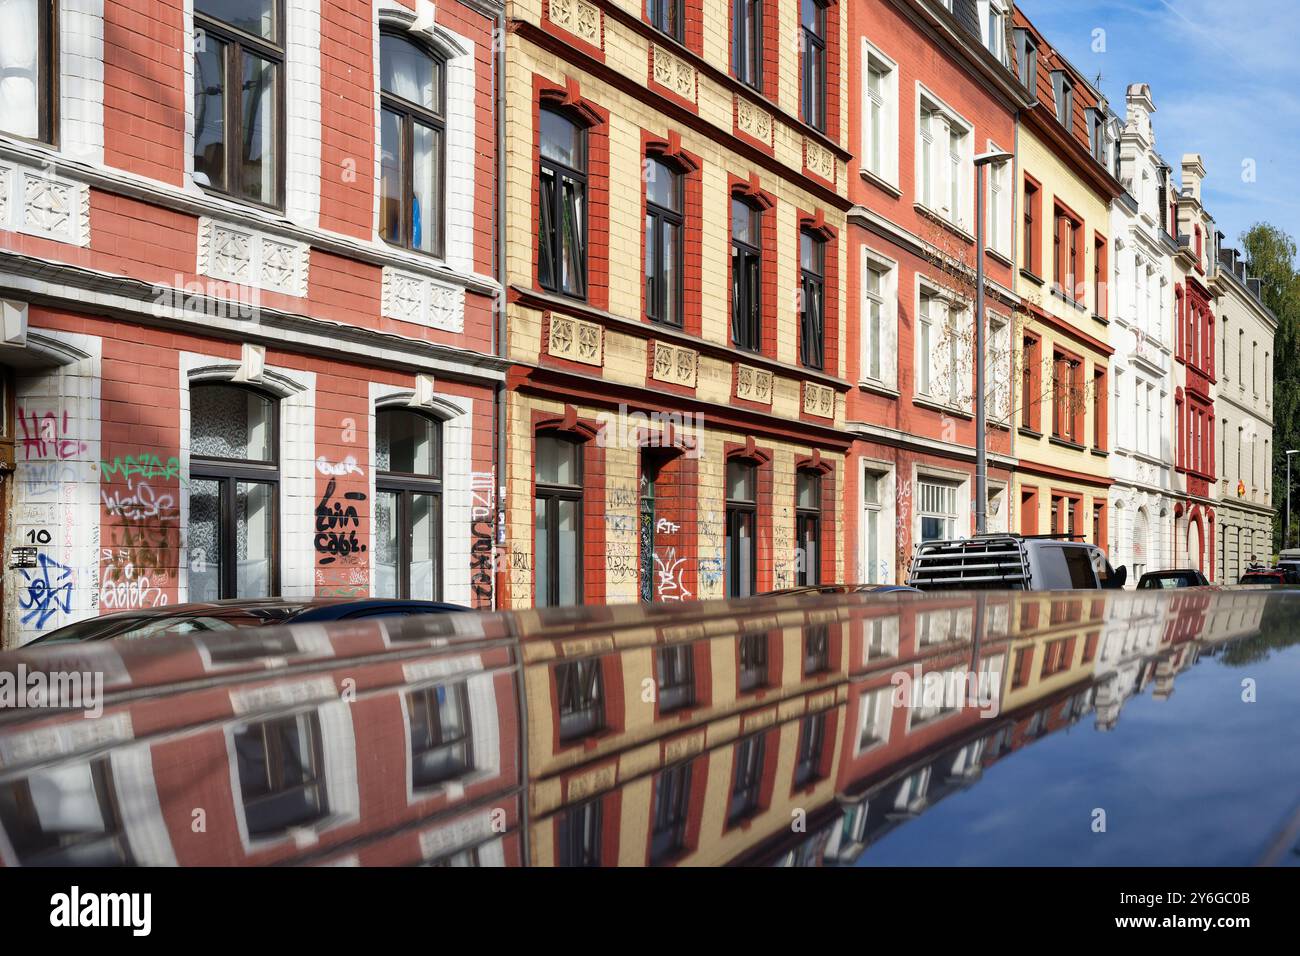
1286	531
981	449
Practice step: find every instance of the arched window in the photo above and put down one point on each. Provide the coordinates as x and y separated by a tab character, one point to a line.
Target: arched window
562	229
408	505
557	509
234	485
742	513
412	84
239	98
28	62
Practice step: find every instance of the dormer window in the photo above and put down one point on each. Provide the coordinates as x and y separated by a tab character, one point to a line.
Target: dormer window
1063	90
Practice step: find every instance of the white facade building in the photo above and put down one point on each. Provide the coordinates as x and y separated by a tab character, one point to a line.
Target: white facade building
1142	430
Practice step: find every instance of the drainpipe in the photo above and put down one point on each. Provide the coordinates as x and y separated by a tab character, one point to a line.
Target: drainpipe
499	341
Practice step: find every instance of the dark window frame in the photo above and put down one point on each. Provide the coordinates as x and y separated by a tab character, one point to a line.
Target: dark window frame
47	93
408	114
753	668
239	43
580	844
580	693
812	289
670	813
750	757
737	511
808	527
812	741
552	494
34	845
317	782
747	284
406	487
675	677
812	64
228	473
1027	60
425	698
663	13
550	236
747	47
659	220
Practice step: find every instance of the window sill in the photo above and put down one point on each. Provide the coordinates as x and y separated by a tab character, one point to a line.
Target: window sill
941	407
1030	433
1100	319
1061	296
1101	452
939	219
879	388
1066	443
1031	276
998	256
880	182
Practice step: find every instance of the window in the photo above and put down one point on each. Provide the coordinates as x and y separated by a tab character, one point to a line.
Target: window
281	773
579	689
746	275
579	838
1099	524
938	510
65	815
1099	423
1099	284
747	42
1063	90
880	113
1027	60
440	737
939	357
997	369
234	487
999	207
812	45
995	29
1096	135
1030	400
408	505
28	63
812	300
945	162
1032	229
676	673
808	527
874	335
666	16
663	243
874	718
753	662
646	526
412	135
816	649
1067	255
1066	397
558	522
562	232
239	98
672	806
871	526
1254	368
741	557
812	738
747	780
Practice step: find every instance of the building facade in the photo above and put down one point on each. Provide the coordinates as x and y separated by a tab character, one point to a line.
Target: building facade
933	88
1244	404
1195	425
675	252
248	337
1063	341
1142	499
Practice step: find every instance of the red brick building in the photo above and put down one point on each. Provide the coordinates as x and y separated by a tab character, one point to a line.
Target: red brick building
935	89
248	338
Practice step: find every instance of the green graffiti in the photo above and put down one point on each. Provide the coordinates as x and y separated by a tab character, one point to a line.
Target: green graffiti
139	466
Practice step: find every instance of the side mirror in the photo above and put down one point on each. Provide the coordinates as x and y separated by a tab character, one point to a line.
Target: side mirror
1118	577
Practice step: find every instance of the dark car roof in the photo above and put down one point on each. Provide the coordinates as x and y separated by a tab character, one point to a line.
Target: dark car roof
1131	702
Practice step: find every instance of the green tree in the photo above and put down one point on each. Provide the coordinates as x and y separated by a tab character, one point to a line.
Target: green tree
1271	257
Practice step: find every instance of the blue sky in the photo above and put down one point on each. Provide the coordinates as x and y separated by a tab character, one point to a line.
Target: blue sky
1226	82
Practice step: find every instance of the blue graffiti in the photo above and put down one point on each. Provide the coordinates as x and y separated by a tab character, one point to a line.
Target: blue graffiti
49	590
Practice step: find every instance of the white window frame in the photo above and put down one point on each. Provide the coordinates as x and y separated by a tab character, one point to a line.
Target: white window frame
993	27
999	352
875	710
998	183
955	317
944	487
886	169
882	508
936	194
887	302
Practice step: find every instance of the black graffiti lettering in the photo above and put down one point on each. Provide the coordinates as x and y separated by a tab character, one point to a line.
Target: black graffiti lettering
336	525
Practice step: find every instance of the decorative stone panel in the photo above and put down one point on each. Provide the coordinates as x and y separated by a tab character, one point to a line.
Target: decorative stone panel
575	340
818	400
579	18
818	159
753	121
41	203
423	300
251	258
675	364
673	72
754	384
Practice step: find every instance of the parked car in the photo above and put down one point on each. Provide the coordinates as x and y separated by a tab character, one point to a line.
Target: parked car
1265	576
236	613
1013	562
846	589
1176	578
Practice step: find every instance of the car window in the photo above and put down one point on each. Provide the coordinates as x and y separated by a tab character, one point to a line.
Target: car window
1079	563
186	625
1062	568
